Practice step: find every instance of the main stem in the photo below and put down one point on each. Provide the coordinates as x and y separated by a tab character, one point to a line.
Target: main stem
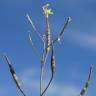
45	54
41	70
41	79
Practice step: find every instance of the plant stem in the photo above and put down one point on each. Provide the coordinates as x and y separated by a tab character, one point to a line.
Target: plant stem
41	69
41	79
47	86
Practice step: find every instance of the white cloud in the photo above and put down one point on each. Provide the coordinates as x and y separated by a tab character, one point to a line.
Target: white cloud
82	40
63	90
56	89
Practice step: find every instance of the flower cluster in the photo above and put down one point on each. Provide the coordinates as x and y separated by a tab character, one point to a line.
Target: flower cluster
47	11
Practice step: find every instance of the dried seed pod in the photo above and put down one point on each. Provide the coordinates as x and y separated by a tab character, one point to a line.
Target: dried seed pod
52	61
13	73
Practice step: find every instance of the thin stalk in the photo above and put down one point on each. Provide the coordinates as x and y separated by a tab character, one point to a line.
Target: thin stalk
41	79
33	26
22	92
33	46
43	60
47	86
52	69
41	69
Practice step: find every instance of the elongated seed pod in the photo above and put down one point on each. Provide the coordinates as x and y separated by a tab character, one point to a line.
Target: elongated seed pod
64	27
47	12
13	73
52	61
47	36
83	91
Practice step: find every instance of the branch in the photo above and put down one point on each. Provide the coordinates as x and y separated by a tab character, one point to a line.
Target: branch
33	46
33	26
14	76
43	61
83	91
52	70
47	86
42	69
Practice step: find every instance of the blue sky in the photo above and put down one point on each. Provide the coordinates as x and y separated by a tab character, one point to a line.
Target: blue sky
73	57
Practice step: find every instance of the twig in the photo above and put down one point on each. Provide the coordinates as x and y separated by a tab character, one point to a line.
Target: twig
42	69
33	46
41	79
15	78
33	26
47	86
52	69
43	61
83	91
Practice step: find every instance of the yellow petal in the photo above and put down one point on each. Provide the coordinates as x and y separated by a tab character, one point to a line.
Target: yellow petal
46	11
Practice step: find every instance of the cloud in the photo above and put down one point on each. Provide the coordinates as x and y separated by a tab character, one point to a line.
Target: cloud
82	40
63	90
31	82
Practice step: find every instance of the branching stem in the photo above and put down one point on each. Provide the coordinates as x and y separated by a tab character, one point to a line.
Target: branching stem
47	86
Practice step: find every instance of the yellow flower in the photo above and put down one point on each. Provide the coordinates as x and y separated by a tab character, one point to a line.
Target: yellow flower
46	11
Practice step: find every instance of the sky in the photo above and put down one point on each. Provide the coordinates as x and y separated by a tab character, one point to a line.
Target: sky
73	56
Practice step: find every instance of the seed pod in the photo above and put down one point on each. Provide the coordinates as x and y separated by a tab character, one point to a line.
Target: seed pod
15	78
64	28
83	91
52	61
47	12
47	36
47	41
12	71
